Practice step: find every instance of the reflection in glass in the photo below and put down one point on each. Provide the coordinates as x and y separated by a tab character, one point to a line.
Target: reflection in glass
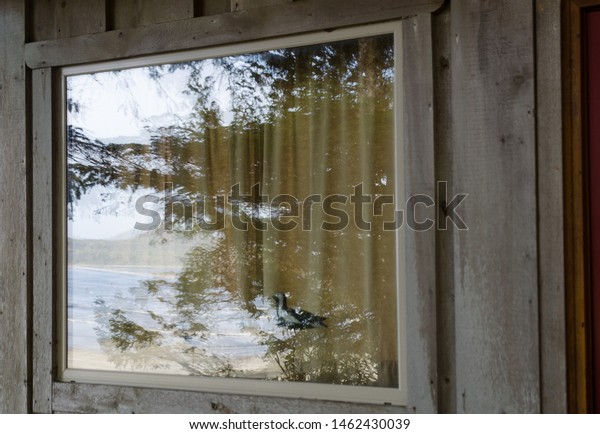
251	271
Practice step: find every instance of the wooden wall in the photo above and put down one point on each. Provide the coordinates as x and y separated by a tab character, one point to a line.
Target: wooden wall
14	212
496	285
54	19
496	299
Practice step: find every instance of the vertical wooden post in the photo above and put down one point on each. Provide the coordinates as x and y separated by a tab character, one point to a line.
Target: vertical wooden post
420	246
550	204
42	240
446	339
14	208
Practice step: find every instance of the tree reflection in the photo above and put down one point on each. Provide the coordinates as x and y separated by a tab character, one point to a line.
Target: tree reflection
309	120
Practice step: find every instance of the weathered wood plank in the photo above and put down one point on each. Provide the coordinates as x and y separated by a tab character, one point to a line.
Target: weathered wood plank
52	19
204	8
420	245
241	5
497	333
43	20
446	340
80	17
550	203
42	240
88	398
14	159
270	21
125	14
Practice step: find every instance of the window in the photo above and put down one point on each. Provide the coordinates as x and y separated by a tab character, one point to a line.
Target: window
229	219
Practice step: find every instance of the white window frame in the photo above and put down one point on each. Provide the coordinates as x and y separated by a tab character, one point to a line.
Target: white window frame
361	394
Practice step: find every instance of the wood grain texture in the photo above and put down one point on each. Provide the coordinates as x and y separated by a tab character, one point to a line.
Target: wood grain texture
14	288
446	339
497	333
240	5
257	23
42	240
125	14
550	204
420	245
52	19
88	398
79	17
211	7
43	20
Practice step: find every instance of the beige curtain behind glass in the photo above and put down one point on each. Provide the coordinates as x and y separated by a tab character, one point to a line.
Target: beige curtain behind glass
338	136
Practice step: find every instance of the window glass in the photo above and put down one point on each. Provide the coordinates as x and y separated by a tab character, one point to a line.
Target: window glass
225	217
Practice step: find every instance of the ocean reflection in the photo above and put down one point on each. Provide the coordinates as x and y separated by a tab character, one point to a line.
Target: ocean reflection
135	320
